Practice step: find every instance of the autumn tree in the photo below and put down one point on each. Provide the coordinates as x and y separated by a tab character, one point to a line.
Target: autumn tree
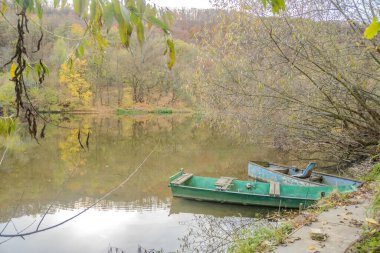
74	79
317	93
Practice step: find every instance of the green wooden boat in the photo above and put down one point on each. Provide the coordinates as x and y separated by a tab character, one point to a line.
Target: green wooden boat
231	190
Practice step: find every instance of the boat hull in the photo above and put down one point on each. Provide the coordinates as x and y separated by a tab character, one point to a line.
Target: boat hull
268	172
238	198
249	192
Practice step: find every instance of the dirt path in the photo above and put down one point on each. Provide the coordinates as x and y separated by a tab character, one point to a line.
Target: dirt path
342	225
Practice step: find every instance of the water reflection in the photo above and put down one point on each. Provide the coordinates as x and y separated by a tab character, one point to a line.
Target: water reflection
185	206
60	172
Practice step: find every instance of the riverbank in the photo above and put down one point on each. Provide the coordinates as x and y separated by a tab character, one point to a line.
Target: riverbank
343	222
340	223
333	230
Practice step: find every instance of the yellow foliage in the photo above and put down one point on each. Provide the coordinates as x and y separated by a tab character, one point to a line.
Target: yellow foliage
77	30
71	151
13	70
74	79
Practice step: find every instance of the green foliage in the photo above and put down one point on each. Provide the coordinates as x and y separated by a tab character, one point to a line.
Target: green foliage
277	5
7	126
121	112
370	242
130	16
4	6
171	61
6	92
374	174
163	111
260	239
75	80
372	30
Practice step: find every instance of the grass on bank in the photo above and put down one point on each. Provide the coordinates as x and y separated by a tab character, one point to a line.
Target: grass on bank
121	112
264	239
133	111
369	242
260	239
374	175
370	239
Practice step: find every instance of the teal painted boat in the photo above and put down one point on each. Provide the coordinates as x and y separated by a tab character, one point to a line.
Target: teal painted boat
230	190
265	171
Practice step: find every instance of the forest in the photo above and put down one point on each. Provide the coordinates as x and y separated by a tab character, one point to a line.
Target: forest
299	79
308	76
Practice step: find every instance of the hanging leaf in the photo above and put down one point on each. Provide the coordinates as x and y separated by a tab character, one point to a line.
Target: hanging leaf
126	14
4	6
131	4
127	27
171	56
140	32
38	69
84	6
86	43
117	11
27	70
108	15
45	68
79	52
70	63
56	3
135	17
93	10
160	24
63	4
78	7
277	5
29	5
13	70
372	30
123	33
168	18
39	9
264	3
141	6
102	42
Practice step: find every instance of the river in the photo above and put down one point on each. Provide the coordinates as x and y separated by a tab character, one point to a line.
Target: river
58	178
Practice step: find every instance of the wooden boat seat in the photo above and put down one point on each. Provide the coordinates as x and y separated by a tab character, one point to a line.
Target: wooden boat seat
274	189
182	179
224	183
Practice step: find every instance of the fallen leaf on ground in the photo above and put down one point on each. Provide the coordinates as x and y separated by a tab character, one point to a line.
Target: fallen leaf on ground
372	221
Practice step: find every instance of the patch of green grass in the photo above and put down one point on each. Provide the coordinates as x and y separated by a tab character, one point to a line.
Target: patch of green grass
260	239
120	111
163	111
370	242
374	174
334	199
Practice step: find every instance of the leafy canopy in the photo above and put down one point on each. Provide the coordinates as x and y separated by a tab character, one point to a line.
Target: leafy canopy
130	16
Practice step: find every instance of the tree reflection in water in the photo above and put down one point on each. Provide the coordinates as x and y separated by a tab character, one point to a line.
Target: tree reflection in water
140	249
209	234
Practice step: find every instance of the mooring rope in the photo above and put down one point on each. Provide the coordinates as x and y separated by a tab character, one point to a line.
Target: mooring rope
87	208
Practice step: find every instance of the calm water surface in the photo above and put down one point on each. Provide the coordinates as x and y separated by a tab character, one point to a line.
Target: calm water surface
59	175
